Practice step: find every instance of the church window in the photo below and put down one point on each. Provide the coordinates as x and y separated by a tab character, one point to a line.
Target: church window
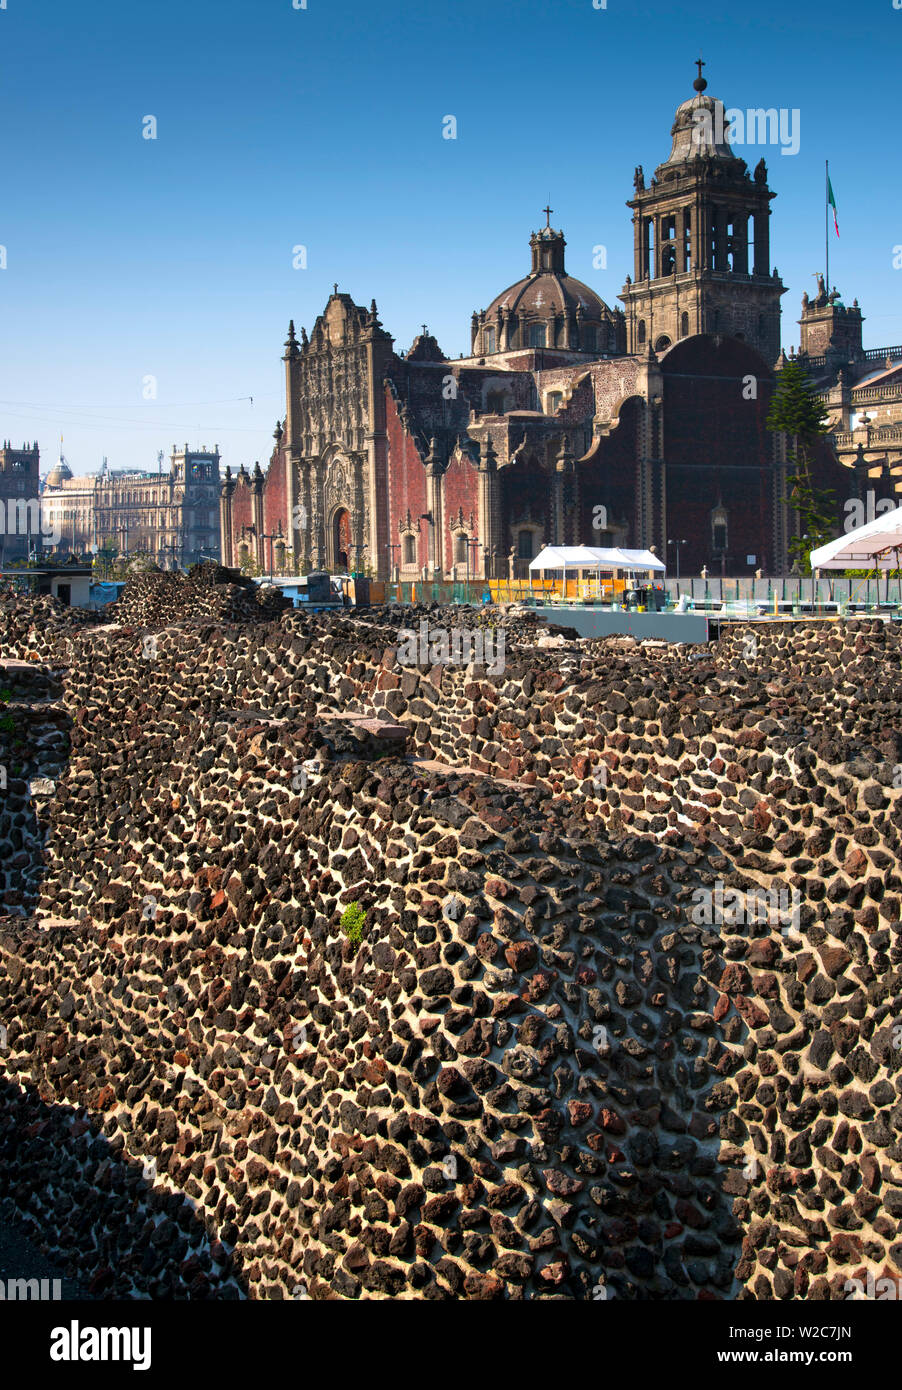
648	250
489	340
524	545
461	549
494	402
590	340
537	335
684	326
554	401
668	251
410	550
642	332
719	528
663	343
546	257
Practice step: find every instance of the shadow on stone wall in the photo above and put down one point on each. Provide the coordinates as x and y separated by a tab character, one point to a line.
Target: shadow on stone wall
90	1210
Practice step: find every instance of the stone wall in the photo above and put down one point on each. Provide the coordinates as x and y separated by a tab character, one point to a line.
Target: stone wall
555	1067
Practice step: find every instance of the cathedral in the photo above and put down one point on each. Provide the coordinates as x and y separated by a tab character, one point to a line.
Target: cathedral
570	422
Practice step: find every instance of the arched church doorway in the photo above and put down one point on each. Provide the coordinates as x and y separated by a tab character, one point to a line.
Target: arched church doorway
341	539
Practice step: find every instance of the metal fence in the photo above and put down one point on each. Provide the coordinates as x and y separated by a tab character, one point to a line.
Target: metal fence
793	590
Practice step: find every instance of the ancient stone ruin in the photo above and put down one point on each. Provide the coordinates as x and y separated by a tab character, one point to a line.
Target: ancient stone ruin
324	976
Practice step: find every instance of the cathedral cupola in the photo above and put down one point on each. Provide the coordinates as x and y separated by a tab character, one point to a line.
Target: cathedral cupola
547	248
548	309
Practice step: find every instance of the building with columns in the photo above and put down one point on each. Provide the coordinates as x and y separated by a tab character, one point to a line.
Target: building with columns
171	515
570	421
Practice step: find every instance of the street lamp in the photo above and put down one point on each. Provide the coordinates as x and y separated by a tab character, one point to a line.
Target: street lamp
677	544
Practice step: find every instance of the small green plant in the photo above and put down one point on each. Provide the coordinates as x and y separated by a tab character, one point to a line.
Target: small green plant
352	920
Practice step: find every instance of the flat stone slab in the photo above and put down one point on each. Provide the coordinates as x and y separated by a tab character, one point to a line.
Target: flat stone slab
369	724
380	728
447	770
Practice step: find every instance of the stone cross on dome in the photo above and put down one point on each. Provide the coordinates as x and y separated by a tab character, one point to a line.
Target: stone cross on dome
700	83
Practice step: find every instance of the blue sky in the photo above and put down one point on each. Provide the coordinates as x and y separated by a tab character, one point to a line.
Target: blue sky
171	258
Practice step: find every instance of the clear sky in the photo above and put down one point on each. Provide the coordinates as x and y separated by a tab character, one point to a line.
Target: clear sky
129	258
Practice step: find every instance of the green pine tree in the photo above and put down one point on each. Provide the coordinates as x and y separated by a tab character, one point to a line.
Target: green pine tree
797	411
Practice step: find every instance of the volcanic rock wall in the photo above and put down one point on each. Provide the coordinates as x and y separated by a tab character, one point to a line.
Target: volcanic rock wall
549	1070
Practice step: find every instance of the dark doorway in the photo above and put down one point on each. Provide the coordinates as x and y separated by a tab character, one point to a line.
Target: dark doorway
342	538
64	593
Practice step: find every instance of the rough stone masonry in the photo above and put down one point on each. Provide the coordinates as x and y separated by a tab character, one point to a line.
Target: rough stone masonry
545	1071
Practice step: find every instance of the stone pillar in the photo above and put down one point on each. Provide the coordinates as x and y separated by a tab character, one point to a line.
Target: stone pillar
317	528
225	519
565	500
358	530
435	470
257	502
741	244
489	518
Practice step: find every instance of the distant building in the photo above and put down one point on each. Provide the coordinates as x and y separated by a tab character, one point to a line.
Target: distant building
171	516
862	391
20	519
67	509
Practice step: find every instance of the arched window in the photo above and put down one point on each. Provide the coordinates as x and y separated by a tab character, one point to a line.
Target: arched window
524	545
537	335
488	340
684	325
460	548
663	343
410	550
642	332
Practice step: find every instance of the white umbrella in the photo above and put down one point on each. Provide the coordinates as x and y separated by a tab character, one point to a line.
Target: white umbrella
875	545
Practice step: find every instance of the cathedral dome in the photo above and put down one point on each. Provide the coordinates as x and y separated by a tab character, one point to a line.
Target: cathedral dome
547	308
58	473
699	128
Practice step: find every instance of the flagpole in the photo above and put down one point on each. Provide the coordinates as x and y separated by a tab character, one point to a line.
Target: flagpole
827	218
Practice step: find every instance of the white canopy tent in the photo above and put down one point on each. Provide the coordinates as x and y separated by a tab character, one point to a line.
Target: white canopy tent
876	545
590	557
600	566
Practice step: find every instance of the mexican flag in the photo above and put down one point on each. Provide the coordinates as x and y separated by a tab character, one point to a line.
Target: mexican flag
831	202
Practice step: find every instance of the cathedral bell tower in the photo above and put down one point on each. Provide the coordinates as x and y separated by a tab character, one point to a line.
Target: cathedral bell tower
702	241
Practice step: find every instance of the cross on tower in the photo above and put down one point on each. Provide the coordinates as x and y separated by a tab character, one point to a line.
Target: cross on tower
425	330
335	287
699	64
548	211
